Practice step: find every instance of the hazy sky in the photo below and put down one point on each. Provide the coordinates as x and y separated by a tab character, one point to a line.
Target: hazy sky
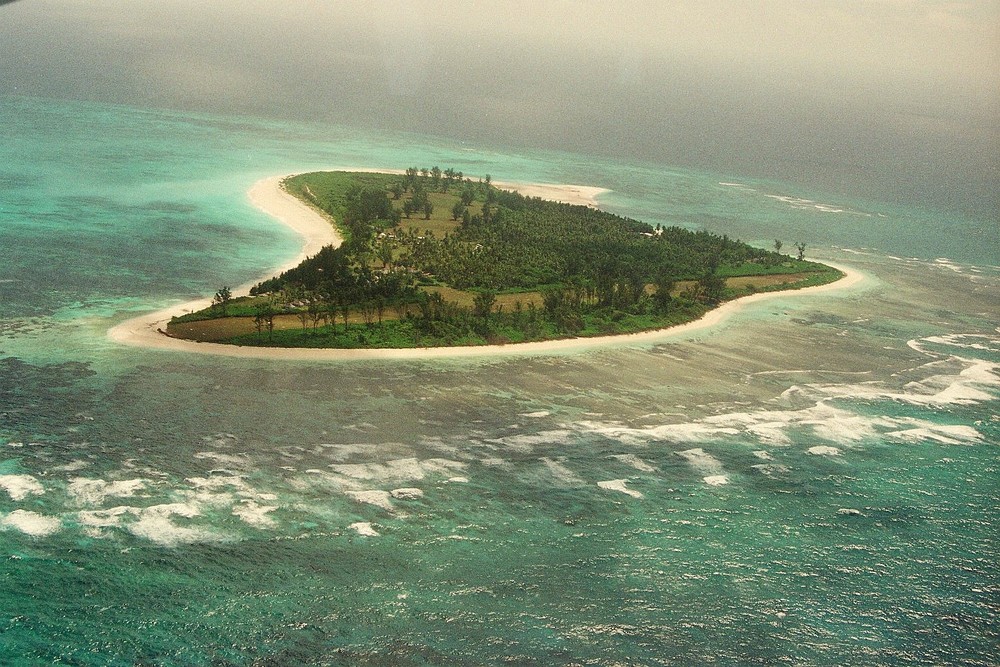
820	89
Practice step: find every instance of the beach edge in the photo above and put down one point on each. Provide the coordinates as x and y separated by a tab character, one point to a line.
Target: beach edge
269	195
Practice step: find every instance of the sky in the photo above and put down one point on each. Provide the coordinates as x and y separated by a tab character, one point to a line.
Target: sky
901	97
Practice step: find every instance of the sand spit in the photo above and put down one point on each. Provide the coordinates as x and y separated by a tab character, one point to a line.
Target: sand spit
317	232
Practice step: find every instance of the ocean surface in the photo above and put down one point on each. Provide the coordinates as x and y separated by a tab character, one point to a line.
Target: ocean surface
815	481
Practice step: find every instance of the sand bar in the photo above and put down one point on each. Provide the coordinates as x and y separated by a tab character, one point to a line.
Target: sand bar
317	232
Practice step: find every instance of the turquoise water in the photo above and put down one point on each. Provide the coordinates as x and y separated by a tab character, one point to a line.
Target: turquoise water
812	482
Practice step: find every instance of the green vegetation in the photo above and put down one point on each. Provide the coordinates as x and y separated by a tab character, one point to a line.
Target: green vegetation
431	258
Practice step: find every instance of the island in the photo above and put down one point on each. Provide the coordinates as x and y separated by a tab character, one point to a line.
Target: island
430	258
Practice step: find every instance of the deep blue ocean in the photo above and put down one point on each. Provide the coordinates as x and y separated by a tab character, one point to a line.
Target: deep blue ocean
812	482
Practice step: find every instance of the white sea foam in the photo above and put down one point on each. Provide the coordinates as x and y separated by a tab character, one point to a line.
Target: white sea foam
31	523
374	497
250	505
634	461
364	529
216	482
846	428
494	462
535	415
254	514
408	469
763	455
95	522
72	466
825	420
947	379
957	340
708	465
87	491
771	470
19	487
768	427
948	264
798	202
619	485
701	460
808	204
716	480
561	473
699	431
341	452
824	450
526	443
946	434
407	494
221	440
822	420
156	524
234	460
984	373
961	388
457	480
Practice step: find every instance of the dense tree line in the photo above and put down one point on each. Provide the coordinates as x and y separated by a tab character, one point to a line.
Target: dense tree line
593	270
527	242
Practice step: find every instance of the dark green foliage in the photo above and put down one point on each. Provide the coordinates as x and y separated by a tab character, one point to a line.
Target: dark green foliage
482	303
468	195
365	205
221	299
334	278
522	243
711	288
598	273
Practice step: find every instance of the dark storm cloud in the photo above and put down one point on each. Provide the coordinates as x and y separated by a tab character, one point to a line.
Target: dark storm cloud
831	88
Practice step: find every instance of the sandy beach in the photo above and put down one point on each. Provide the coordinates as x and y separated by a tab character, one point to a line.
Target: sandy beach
317	231
585	195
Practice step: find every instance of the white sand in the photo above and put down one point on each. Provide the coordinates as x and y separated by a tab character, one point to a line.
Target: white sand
585	195
317	232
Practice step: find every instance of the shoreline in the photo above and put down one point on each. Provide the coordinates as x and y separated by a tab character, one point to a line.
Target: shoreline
269	196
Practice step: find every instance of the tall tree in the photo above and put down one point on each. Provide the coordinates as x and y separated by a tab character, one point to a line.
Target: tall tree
264	319
222	298
711	287
468	195
482	303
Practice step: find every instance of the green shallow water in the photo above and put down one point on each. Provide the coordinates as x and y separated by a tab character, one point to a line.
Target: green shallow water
812	482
